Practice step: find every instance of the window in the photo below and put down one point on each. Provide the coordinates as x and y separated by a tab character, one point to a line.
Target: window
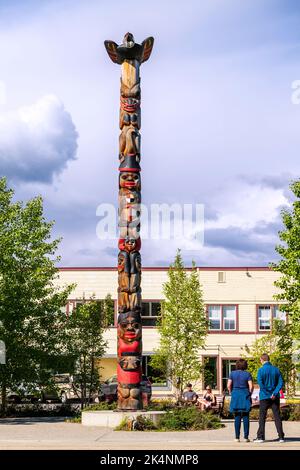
150	313
70	308
157	378
210	372
214	317
222	317
228	365
229	314
279	314
265	315
221	276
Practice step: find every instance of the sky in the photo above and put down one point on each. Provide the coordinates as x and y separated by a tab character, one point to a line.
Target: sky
220	126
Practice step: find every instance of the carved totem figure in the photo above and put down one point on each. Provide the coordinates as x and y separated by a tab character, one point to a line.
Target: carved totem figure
130	56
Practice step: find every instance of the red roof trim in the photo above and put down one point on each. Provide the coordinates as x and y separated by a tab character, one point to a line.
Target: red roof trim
160	268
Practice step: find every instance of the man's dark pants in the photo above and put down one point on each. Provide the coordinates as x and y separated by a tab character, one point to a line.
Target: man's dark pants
264	405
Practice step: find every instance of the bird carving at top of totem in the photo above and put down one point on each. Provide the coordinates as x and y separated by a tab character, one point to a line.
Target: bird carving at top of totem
129	49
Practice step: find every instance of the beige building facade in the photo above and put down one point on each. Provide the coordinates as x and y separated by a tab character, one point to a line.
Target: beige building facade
239	302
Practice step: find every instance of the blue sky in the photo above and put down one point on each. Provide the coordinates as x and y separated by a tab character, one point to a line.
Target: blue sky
218	124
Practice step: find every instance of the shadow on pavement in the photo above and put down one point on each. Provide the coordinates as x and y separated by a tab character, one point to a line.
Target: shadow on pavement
286	439
35	420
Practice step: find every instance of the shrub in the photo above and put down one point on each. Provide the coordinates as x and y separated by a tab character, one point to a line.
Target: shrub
294	414
76	419
189	419
102	406
290	412
141	423
161	405
285	413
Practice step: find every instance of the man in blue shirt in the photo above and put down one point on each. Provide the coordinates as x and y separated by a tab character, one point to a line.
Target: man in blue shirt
270	382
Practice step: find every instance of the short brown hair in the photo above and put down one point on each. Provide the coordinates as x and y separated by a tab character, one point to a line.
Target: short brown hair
241	364
265	357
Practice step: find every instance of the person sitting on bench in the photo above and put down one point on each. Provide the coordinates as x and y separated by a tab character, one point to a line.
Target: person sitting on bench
189	396
208	399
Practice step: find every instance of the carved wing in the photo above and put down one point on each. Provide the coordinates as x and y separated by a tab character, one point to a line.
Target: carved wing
147	45
111	48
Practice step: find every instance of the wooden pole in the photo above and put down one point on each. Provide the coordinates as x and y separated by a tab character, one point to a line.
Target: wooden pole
130	56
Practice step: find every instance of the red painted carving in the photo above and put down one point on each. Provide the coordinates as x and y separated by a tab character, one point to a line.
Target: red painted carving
130	55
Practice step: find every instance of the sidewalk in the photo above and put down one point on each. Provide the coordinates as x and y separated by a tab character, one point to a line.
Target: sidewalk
54	433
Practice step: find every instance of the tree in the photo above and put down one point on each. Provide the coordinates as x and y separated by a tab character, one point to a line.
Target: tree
279	344
85	344
289	265
183	326
108	311
31	316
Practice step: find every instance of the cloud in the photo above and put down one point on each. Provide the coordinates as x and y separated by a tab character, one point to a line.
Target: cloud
279	181
216	105
237	240
37	141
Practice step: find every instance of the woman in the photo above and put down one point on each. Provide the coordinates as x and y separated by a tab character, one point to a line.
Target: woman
208	399
240	385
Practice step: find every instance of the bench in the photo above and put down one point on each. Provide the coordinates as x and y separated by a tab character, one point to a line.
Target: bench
219	405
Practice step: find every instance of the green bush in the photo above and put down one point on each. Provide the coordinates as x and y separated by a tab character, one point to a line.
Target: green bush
291	412
141	423
102	406
294	414
161	405
76	419
189	419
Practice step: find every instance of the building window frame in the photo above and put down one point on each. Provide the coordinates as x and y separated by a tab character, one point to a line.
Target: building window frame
216	357
223	380
167	385
273	308
142	316
222	330
150	302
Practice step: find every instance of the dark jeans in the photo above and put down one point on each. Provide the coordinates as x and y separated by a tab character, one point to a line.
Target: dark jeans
264	405
237	424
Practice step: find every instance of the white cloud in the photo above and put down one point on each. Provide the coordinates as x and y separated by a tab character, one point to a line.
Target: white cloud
246	205
37	141
216	104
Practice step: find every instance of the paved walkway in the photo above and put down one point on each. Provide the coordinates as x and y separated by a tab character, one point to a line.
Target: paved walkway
54	433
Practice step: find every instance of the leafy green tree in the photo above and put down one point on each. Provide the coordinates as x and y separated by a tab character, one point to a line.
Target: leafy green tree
31	315
108	311
280	346
85	343
183	326
289	265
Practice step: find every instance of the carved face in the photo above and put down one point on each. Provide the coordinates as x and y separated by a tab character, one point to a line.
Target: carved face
129	328
121	262
130	105
129	244
130	180
130	362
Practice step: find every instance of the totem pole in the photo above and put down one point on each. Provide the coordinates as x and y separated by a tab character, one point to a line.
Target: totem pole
130	56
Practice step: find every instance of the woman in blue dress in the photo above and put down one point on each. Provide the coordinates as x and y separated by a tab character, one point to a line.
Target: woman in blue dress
240	386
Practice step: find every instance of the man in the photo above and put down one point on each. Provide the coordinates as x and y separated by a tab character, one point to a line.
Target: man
270	382
189	396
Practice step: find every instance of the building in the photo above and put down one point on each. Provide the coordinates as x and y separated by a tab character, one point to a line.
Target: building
240	306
